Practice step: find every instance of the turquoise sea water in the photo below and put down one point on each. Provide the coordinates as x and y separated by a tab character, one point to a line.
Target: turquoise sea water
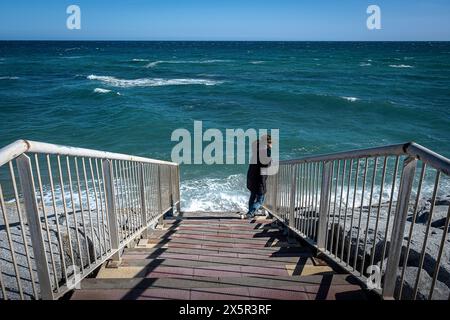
128	97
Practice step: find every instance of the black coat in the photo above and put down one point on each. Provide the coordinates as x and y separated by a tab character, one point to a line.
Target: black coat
256	182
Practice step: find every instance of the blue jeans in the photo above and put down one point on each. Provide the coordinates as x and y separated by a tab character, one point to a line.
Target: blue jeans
255	202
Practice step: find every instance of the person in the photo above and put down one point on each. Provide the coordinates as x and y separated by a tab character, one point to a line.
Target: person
256	179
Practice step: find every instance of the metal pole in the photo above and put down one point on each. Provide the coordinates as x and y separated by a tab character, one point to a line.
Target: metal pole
398	228
158	184
324	204
111	209
292	197
178	190
143	202
34	224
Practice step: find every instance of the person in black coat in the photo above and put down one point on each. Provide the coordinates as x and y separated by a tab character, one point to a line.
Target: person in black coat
256	179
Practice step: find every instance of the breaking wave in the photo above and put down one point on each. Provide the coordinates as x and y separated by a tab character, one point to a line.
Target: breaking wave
150	82
155	63
400	66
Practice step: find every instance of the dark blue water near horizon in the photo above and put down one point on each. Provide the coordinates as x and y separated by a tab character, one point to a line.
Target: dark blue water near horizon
128	97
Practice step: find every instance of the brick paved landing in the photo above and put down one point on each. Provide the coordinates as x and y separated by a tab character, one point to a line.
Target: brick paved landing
219	256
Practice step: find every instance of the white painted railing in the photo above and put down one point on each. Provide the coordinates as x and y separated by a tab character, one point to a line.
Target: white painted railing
65	211
384	208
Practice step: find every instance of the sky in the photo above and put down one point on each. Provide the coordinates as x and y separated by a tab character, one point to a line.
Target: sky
285	20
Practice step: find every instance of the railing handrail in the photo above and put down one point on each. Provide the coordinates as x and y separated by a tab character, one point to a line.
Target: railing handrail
438	161
19	147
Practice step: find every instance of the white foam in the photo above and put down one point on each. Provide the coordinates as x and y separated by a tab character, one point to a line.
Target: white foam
365	64
155	63
140	60
100	90
257	62
214	194
150	82
9	78
351	99
400	66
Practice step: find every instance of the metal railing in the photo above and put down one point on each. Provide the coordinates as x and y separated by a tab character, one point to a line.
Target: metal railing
71	209
382	214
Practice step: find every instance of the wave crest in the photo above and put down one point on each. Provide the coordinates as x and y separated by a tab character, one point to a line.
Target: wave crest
150	82
155	63
400	66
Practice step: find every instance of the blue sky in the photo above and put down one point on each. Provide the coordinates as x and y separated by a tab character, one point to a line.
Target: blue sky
225	20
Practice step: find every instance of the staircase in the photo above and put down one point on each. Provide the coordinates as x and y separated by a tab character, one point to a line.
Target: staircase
218	256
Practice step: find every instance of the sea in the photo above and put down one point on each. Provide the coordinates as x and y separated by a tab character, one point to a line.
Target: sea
129	97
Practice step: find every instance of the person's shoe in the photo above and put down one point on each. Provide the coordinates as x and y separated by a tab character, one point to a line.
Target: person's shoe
250	215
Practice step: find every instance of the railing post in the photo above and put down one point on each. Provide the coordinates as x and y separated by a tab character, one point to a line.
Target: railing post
324	205
275	201
160	209
398	228
143	203
111	209
34	224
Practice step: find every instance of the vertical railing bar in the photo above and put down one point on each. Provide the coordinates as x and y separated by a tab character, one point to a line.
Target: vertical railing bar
117	194
293	192
301	205
108	182
123	191
353	211
77	237
139	195
317	208
411	229
143	201
94	185
304	189
314	207
441	249
349	179
300	197
398	227
330	191
83	222
135	197
334	207
313	199
394	180
66	214
383	175
297	203
44	212
344	167
55	210
360	212
22	228
130	199
375	167
427	230
105	217
88	194
308	196
327	176
10	243
102	203
34	222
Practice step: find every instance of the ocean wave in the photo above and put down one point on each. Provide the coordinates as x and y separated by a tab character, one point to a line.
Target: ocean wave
365	64
155	63
400	66
257	62
140	60
215	194
150	82
351	99
9	78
